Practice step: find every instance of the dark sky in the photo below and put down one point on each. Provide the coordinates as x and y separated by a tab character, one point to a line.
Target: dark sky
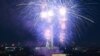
91	34
11	28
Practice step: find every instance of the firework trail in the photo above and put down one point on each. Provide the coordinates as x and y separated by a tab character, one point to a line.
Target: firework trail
53	18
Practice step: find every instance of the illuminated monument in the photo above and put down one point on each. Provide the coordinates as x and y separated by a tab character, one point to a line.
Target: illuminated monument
48	31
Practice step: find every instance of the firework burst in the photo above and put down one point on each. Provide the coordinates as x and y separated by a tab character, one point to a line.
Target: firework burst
53	18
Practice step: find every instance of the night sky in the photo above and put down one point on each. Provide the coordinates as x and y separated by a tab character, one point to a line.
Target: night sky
12	28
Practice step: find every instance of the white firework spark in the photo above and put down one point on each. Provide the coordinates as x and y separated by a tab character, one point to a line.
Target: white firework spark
54	11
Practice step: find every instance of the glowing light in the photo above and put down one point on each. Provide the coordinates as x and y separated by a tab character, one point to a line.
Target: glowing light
63	26
61	40
62	11
63	19
48	34
50	13
46	14
62	37
43	14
